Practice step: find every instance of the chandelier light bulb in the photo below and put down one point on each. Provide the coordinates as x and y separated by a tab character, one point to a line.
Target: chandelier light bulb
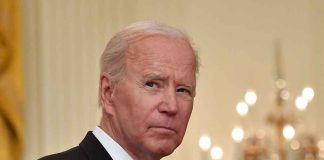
216	153
289	132
308	93
237	134
250	97
320	144
204	142
242	108
281	83
284	94
301	103
295	145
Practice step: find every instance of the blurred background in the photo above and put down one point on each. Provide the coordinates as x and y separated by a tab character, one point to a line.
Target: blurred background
257	57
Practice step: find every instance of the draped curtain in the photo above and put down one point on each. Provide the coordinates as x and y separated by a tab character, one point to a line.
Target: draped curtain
11	89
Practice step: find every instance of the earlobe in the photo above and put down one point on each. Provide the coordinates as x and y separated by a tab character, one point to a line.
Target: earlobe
106	92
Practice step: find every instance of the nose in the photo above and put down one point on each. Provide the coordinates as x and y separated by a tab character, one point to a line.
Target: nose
169	105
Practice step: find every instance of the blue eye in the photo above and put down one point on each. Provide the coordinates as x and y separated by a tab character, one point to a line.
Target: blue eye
151	84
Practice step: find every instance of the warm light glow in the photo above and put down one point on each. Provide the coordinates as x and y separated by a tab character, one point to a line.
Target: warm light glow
250	97
281	83
284	94
289	132
216	153
320	144
242	108
308	93
295	145
321	153
204	142
301	103
237	134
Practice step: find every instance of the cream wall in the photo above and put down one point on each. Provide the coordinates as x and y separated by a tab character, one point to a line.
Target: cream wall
63	40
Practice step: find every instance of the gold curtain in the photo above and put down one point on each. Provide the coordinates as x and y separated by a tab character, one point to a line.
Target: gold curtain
11	86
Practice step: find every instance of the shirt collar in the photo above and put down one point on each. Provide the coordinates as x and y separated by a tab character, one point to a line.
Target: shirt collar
112	147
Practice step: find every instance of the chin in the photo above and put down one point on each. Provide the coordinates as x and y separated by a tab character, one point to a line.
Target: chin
163	152
165	149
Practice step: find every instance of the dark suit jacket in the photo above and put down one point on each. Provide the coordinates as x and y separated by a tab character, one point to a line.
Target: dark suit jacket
89	149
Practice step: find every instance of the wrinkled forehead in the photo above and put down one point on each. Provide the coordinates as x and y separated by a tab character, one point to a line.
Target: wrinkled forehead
155	49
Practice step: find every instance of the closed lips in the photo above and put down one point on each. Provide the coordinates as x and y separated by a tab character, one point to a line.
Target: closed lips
166	128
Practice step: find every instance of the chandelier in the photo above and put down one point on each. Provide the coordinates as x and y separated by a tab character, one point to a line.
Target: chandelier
288	141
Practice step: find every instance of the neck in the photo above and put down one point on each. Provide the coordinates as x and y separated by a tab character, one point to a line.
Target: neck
107	125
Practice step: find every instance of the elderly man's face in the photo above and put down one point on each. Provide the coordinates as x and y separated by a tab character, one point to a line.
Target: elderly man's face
153	99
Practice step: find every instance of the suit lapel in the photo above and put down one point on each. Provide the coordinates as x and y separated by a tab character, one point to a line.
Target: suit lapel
93	148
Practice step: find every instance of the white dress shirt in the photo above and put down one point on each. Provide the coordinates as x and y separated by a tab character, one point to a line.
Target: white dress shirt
113	148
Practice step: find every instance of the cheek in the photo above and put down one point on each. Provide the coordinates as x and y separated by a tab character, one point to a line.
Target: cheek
186	107
184	114
146	106
136	109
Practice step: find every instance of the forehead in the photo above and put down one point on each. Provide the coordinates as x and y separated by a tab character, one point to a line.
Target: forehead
174	52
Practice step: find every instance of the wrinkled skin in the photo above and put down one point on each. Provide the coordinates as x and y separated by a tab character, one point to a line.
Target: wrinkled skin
147	110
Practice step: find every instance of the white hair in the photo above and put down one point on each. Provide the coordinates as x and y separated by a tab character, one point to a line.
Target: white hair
112	59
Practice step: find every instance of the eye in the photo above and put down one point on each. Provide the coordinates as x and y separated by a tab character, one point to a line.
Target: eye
183	90
151	84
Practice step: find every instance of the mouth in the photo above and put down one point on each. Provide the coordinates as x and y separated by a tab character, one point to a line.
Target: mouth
163	129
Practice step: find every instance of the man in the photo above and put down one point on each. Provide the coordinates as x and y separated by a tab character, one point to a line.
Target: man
147	88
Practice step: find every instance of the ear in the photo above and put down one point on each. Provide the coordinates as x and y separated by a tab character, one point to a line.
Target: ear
106	89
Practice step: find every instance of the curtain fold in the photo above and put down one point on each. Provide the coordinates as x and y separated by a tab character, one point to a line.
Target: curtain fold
11	81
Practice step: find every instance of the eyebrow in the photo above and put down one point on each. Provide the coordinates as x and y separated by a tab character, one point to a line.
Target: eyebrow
188	86
154	76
